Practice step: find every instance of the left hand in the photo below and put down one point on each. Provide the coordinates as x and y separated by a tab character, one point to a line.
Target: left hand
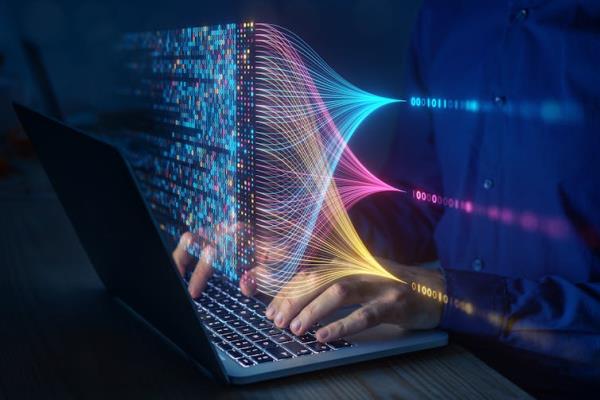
382	301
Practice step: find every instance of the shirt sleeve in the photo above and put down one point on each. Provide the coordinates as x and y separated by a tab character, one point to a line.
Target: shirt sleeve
551	317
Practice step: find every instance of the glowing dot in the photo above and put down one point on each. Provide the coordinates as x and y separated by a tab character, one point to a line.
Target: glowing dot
507	216
529	221
468	308
468	206
493	212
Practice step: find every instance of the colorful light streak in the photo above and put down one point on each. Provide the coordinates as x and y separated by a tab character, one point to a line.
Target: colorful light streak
552	227
355	182
305	115
550	111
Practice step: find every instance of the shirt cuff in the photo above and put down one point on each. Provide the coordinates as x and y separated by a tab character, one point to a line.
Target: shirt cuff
476	303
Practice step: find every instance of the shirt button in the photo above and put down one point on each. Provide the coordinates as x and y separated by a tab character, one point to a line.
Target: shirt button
488	184
477	264
500	100
521	15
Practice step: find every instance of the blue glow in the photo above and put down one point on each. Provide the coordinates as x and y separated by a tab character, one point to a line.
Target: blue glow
197	174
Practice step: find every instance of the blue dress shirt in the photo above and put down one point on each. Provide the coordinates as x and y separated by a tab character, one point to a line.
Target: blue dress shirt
521	254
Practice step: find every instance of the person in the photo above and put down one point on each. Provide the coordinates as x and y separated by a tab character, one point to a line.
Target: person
521	263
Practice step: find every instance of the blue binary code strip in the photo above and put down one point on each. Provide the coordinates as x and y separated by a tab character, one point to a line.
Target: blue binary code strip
195	87
448	104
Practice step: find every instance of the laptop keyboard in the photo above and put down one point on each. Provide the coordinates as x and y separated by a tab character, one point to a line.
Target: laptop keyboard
239	328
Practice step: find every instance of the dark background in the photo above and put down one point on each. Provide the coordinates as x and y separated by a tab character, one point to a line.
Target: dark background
364	40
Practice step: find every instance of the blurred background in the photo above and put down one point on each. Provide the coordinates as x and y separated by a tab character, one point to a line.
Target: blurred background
364	40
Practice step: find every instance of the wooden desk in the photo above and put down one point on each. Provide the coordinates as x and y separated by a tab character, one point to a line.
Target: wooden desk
62	336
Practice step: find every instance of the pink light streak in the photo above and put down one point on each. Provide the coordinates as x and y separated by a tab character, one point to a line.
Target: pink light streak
355	181
553	227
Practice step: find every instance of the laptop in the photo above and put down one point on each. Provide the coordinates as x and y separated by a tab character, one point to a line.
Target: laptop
223	332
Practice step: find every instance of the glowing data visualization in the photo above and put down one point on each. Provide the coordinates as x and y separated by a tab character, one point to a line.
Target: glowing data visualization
196	160
249	129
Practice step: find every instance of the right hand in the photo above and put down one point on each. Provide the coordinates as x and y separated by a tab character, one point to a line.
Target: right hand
202	268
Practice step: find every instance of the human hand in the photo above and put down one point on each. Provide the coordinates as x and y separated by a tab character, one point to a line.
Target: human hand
202	269
382	300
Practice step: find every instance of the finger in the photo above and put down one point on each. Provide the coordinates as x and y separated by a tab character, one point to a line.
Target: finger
181	256
202	272
249	282
361	319
339	294
289	302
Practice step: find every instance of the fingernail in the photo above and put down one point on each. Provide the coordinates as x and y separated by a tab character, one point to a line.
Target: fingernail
279	319
322	335
295	325
269	312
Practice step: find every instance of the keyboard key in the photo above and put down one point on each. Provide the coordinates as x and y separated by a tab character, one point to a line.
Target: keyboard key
252	351
262	358
262	324
278	352
225	346
204	301
245	362
227	301
253	319
318	347
256	336
218	296
234	292
281	338
241	344
228	317
266	343
340	343
204	315
236	323
214	324
307	338
272	332
219	312
233	306
314	329
244	314
230	337
246	330
297	349
258	308
214	338
223	330
234	353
